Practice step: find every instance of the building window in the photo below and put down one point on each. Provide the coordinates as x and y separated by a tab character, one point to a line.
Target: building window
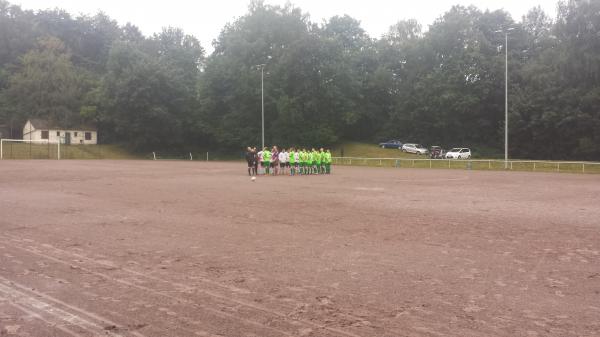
75	134
88	136
44	134
58	133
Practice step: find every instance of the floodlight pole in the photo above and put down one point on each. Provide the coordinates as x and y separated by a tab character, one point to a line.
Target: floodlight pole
506	101
262	99
505	94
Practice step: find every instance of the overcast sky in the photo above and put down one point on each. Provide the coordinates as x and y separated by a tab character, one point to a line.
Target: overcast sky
205	19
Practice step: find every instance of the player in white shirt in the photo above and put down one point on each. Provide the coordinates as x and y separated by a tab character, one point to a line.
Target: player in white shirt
287	160
260	162
283	160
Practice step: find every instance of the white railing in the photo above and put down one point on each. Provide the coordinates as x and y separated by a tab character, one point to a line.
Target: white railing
475	164
172	156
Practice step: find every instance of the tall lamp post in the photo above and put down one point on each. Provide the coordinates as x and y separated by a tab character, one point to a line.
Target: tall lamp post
262	99
505	94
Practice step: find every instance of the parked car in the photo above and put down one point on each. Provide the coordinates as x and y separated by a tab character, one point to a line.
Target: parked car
436	152
459	153
391	144
414	148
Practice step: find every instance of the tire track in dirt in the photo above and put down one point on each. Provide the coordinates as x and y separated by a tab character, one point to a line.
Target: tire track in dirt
276	317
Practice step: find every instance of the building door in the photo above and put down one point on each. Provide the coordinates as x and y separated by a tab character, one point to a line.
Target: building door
67	138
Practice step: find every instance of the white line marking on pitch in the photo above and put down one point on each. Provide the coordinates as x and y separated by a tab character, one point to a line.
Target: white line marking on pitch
37	306
165	294
103	320
37	316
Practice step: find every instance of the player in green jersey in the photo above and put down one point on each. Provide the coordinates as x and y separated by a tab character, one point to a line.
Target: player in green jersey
321	161
318	161
314	157
292	161
306	160
266	160
328	161
309	161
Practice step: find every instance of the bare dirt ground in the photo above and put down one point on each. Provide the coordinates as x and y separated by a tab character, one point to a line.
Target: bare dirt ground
142	248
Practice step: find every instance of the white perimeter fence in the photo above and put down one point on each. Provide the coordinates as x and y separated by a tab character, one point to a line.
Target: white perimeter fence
474	164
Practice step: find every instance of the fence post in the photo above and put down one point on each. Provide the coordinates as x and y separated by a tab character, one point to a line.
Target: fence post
489	164
191	158
557	167
582	167
511	165
429	163
58	154
154	155
379	162
534	166
206	156
448	163
350	161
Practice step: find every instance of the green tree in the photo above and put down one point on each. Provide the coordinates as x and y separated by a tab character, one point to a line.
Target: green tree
148	96
17	33
46	85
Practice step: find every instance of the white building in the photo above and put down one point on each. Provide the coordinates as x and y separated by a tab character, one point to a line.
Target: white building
38	129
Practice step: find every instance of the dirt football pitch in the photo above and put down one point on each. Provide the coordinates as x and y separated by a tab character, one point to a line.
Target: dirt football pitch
167	248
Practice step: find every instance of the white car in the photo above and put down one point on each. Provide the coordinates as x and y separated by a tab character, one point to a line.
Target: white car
459	153
414	148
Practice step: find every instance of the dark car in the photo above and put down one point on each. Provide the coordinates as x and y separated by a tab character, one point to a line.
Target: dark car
391	144
436	152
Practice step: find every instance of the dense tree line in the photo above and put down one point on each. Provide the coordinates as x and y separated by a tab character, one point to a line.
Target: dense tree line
324	82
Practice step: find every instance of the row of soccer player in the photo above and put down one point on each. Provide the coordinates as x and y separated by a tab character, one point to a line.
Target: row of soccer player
284	162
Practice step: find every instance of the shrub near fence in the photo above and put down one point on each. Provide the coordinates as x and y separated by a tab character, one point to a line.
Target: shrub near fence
475	164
